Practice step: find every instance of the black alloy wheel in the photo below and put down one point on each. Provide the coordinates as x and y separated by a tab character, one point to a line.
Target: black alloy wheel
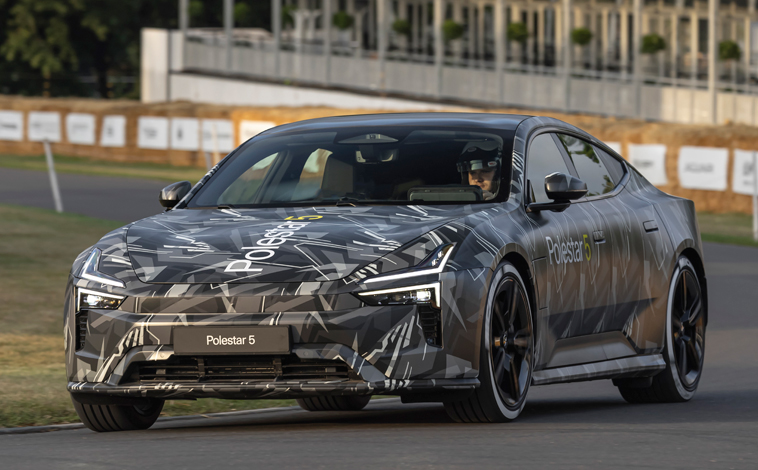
507	354
688	329
684	351
511	346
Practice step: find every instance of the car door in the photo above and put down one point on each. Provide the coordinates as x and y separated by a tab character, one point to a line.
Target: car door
566	262
638	244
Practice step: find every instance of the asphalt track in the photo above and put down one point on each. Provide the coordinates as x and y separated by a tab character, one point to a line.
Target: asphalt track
584	425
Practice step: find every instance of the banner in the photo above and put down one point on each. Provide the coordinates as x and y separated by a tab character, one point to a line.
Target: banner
80	128
650	160
152	132
11	125
113	133
744	172
249	129
44	126
185	133
703	168
224	135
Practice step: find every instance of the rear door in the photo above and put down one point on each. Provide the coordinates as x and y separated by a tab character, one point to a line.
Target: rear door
639	247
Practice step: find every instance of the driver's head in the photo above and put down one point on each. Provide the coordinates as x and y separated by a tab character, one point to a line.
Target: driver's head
479	165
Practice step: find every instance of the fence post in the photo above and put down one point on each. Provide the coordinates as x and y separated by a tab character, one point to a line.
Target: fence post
53	177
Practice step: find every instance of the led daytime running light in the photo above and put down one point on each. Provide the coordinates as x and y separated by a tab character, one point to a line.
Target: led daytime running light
89	271
447	250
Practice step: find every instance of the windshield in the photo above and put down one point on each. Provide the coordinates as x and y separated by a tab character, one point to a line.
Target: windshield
360	166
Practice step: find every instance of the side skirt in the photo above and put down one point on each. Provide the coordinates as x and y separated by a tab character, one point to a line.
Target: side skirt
635	366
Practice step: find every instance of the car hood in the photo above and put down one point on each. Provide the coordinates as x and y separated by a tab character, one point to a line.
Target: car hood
275	245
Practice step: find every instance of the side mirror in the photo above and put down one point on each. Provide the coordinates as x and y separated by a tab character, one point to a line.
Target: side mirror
561	187
173	193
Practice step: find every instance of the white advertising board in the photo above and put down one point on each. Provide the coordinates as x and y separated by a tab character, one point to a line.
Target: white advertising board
44	126
650	160
113	133
703	168
80	128
224	130
185	133
615	146
11	125
744	172
152	132
249	129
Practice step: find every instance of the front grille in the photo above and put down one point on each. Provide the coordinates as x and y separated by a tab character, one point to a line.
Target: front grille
81	330
237	368
431	322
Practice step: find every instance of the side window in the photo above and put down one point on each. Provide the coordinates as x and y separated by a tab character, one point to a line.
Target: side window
615	167
543	158
588	165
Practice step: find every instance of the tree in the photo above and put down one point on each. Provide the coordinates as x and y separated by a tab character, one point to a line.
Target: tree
342	20
517	32
652	44
581	37
729	50
401	26
452	30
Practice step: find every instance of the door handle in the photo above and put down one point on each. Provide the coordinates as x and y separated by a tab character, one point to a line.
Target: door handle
598	236
650	226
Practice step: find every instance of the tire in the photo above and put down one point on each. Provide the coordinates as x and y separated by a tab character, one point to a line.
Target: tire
507	337
109	418
334	403
684	349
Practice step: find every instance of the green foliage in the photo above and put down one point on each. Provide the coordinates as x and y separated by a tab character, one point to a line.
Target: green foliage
401	26
242	15
288	18
581	36
452	30
729	50
517	32
652	44
342	20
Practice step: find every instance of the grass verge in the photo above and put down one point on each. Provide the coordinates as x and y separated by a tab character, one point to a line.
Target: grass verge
732	228
87	166
36	250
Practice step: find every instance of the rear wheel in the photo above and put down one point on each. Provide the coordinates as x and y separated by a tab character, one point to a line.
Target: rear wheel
108	418
507	354
684	351
335	403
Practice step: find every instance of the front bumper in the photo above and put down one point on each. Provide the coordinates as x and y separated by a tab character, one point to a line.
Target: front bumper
385	348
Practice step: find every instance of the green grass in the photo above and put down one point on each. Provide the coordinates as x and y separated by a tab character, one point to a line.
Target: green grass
37	248
732	228
86	166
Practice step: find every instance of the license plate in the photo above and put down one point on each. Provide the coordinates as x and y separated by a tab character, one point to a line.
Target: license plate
231	340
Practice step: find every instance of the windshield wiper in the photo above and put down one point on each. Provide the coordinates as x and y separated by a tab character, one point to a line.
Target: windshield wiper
226	206
347	201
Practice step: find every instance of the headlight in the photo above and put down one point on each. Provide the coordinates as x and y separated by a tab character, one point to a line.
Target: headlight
89	271
92	299
427	294
432	264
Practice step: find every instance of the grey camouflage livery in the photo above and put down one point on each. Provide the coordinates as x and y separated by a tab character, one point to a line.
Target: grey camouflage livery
606	314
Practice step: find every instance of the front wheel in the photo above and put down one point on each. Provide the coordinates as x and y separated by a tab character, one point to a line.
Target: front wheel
684	351
108	418
506	355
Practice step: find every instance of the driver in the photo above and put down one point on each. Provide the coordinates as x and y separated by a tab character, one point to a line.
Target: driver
479	165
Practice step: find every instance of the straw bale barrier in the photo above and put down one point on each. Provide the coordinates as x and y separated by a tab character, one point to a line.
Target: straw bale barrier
624	131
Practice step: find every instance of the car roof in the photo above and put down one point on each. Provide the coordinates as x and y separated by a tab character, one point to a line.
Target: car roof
472	120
